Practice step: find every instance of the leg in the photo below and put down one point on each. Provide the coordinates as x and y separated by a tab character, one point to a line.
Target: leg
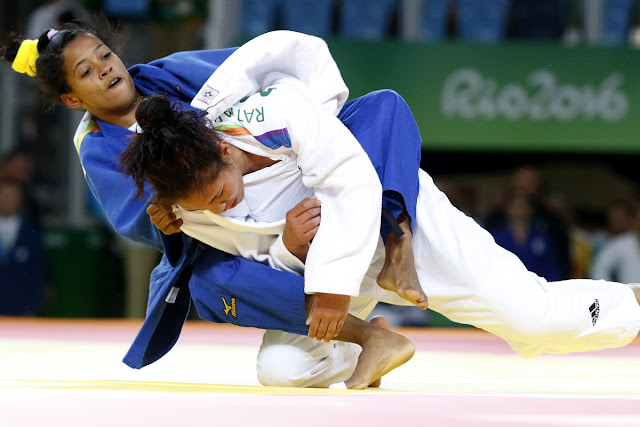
399	272
382	351
381	322
289	360
472	280
384	125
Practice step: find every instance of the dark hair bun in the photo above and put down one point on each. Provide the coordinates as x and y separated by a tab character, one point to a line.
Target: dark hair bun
154	111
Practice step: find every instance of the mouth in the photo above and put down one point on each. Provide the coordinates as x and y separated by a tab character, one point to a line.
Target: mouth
114	82
234	204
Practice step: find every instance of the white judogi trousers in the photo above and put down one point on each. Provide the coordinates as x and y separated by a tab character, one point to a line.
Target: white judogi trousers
471	280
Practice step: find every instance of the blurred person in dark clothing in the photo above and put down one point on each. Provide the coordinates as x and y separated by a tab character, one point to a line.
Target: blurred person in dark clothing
17	165
527	180
23	266
521	236
52	14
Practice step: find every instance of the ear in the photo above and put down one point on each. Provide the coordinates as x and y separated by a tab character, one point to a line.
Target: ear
71	101
225	148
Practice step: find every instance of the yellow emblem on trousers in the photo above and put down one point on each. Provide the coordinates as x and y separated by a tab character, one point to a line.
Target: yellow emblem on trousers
231	307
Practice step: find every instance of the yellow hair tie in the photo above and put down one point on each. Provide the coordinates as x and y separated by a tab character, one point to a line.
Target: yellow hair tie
25	61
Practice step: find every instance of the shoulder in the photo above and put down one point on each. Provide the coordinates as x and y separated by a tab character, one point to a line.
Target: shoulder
88	128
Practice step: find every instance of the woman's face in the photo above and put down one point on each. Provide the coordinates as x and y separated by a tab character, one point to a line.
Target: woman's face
99	81
219	195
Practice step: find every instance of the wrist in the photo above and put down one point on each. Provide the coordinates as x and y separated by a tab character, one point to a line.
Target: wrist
298	250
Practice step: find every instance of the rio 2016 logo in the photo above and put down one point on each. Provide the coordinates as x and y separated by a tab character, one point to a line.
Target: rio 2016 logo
468	94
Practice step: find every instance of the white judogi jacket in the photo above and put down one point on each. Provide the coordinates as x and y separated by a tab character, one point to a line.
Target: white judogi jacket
317	155
308	94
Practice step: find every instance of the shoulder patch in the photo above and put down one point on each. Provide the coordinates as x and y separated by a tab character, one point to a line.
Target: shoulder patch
207	93
92	126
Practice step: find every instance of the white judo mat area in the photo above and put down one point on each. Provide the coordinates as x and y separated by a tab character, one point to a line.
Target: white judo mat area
58	372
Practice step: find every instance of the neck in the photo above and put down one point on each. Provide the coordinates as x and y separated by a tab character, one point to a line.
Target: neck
250	162
124	118
258	162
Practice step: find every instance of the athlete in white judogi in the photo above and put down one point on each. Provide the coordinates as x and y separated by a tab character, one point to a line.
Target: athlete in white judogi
467	277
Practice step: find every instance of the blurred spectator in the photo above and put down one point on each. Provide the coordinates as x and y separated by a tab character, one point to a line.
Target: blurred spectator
17	165
521	236
22	257
527	180
580	239
463	196
620	217
619	258
51	14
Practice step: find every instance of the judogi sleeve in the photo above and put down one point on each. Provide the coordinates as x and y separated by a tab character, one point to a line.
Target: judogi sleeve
335	165
280	258
115	192
267	58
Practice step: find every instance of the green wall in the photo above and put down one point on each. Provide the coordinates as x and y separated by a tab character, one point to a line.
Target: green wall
506	97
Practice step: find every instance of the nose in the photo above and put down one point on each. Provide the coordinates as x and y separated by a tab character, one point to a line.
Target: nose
106	70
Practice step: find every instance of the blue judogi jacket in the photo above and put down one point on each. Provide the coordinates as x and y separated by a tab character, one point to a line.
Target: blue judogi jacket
229	288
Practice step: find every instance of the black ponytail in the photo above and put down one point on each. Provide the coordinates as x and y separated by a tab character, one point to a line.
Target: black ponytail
177	153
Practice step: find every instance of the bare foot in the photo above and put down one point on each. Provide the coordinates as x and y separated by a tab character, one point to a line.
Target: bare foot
382	322
399	272
382	351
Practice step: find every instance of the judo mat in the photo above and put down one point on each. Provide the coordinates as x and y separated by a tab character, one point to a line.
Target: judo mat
57	372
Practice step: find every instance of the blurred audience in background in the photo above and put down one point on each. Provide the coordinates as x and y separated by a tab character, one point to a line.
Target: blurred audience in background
527	181
621	215
523	216
52	14
23	265
18	165
582	235
618	258
521	235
